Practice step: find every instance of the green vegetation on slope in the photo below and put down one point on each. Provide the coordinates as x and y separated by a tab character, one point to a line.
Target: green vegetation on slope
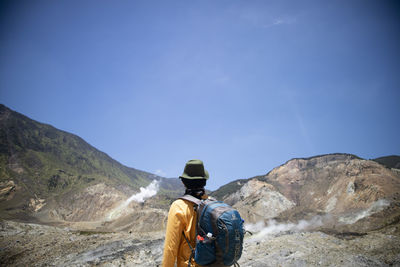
229	188
389	161
49	162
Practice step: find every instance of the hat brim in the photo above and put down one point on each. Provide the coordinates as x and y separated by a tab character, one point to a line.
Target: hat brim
184	175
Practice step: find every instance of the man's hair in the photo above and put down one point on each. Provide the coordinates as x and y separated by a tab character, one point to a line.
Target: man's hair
194	183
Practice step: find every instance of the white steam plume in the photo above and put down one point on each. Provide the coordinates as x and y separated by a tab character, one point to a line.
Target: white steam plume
273	228
145	193
374	208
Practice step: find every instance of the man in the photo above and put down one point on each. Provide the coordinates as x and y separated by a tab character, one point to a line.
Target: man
182	218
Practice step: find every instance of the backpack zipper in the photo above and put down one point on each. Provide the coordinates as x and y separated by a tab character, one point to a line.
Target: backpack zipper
226	236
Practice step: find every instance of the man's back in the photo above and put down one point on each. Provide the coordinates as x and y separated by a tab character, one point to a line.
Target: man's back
181	220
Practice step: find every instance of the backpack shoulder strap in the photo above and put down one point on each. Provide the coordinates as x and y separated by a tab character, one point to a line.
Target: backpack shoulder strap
191	199
191	248
197	202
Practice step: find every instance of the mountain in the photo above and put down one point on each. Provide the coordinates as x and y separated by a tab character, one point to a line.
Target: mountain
327	210
391	162
51	174
345	191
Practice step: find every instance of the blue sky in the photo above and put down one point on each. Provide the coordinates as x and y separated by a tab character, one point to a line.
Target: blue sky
242	85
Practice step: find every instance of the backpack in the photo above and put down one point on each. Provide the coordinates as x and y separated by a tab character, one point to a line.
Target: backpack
219	233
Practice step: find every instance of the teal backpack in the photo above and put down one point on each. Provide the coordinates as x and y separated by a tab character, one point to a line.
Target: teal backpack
219	233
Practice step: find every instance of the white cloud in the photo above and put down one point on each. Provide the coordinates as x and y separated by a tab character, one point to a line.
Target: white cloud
160	173
260	18
280	21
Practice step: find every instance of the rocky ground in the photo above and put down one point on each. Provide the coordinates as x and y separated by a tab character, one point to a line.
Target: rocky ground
23	244
320	249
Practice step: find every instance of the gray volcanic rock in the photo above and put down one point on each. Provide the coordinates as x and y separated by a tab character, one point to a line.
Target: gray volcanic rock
350	193
320	249
37	245
258	200
335	183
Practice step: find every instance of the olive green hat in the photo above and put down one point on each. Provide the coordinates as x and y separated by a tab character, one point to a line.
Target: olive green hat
194	169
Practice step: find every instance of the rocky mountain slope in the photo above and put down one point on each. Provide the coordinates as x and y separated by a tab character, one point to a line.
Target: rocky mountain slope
346	191
50	175
64	203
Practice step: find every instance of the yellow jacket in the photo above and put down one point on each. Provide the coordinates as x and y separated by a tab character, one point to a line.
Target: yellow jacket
181	217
